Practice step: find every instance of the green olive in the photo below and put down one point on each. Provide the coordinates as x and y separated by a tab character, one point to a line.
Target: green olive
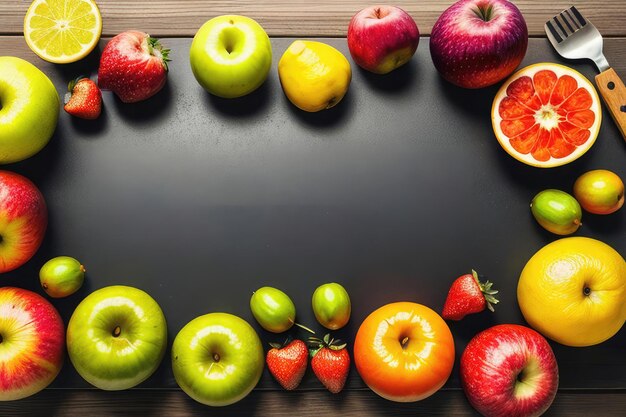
61	276
273	309
556	211
331	305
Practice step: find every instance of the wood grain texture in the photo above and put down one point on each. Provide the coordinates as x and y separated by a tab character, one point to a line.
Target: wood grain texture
613	91
301	18
174	403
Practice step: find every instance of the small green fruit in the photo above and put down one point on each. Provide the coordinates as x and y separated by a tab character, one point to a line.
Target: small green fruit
556	211
61	276
273	309
331	305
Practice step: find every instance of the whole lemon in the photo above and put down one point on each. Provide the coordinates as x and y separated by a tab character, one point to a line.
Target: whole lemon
573	291
314	76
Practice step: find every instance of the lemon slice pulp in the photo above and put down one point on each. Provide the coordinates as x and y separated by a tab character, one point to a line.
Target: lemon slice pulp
62	31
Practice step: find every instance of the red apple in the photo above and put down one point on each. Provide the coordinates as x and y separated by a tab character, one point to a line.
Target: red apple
509	370
32	343
382	38
23	220
476	43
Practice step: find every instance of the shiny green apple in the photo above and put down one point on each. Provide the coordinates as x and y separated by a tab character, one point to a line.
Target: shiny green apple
29	109
230	56
273	309
61	276
116	337
556	211
217	359
331	305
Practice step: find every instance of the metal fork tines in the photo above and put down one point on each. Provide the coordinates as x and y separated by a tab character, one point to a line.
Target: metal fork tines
566	23
574	37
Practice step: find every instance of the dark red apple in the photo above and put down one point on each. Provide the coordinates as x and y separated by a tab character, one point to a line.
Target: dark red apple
476	43
509	370
382	38
32	343
23	220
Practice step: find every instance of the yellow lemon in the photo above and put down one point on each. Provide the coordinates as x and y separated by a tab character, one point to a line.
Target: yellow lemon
314	76
62	31
573	291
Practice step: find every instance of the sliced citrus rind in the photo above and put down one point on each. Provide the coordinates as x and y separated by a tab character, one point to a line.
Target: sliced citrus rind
546	115
62	31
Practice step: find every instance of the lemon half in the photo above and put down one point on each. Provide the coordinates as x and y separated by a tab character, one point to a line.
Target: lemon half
62	31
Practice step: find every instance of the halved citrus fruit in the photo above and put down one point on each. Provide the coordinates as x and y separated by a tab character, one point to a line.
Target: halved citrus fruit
546	115
62	31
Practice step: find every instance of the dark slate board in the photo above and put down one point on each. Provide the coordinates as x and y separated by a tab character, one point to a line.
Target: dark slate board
394	193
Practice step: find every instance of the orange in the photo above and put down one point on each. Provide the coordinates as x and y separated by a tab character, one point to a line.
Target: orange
546	115
404	351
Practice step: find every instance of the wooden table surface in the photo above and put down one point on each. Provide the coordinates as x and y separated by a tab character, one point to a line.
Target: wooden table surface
295	18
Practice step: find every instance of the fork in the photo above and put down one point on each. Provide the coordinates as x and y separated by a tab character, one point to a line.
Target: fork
575	37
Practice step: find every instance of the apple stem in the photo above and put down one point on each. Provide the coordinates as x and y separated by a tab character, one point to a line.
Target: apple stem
117	331
586	291
216	357
1	338
82	269
304	328
483	12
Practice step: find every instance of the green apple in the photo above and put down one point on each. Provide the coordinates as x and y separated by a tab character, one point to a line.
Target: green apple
230	56
116	337
61	276
331	305
217	359
273	309
29	109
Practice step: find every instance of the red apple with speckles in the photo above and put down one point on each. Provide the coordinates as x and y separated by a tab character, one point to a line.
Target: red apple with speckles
382	38
32	343
476	43
509	370
23	220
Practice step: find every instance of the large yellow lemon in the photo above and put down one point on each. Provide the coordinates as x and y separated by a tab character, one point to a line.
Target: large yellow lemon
573	291
314	76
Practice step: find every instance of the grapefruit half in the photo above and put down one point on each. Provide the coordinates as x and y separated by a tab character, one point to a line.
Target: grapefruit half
546	115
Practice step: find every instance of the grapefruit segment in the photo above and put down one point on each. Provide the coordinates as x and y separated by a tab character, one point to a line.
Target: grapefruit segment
511	108
513	127
524	142
583	118
521	89
565	87
544	82
546	115
560	147
540	149
580	100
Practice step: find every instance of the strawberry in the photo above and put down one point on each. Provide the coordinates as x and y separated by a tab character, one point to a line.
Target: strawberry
84	99
288	362
134	66
330	363
468	295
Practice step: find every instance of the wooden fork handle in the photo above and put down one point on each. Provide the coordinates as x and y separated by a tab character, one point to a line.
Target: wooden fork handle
613	92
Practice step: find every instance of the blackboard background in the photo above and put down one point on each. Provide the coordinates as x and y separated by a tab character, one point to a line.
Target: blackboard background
394	193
